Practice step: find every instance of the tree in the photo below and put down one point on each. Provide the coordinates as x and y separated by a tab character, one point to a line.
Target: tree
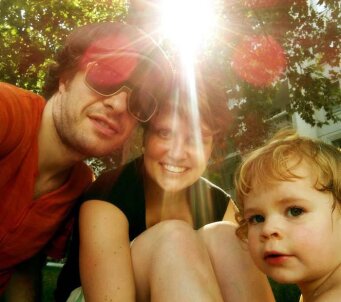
31	32
272	55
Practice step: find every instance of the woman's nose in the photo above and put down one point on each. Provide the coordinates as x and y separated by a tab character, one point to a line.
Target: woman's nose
177	147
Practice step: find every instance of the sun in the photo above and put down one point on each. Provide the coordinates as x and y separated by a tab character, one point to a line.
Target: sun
189	24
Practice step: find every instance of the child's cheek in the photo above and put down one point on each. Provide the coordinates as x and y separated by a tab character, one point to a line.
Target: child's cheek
307	237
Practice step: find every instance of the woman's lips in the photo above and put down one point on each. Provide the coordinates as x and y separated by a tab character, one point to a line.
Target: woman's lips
173	169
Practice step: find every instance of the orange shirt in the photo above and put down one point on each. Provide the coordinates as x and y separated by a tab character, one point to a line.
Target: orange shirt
28	226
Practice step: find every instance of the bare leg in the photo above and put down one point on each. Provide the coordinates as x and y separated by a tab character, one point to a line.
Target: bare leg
26	282
172	264
238	277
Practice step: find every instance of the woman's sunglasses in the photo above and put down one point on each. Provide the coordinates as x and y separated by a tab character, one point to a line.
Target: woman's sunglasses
102	77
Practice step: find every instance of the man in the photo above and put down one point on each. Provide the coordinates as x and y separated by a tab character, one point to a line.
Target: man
107	77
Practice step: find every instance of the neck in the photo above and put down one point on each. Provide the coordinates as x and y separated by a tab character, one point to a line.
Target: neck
162	205
328	286
55	158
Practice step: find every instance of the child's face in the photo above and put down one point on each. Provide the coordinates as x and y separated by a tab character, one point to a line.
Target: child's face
293	235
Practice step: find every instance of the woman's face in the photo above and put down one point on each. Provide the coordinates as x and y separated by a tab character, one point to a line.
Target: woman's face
176	153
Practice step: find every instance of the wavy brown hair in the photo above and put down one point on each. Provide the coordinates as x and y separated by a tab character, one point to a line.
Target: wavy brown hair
204	98
75	54
275	162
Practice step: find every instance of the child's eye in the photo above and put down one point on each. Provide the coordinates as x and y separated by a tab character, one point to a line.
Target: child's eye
295	211
254	219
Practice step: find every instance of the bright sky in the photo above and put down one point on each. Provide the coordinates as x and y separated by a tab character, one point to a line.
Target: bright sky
188	24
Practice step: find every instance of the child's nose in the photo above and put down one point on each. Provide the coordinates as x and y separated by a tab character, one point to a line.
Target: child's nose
271	229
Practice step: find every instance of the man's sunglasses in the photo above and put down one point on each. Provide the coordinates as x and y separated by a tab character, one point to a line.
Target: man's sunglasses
103	78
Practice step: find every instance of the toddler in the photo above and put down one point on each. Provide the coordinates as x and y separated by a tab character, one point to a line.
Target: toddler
289	197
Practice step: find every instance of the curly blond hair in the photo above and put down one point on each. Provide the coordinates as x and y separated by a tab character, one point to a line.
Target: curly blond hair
276	161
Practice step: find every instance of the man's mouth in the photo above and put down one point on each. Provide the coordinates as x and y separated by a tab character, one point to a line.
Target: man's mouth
105	126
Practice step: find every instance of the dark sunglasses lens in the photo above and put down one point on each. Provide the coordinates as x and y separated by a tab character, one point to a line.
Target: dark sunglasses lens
142	104
103	78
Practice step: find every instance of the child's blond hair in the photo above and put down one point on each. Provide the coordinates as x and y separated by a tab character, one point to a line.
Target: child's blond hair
276	160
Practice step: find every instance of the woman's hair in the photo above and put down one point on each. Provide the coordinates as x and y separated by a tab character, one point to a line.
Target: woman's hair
203	100
92	41
276	161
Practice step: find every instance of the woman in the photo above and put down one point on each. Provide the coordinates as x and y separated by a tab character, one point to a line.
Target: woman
160	200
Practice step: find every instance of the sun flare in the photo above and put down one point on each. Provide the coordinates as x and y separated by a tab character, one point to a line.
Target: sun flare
189	24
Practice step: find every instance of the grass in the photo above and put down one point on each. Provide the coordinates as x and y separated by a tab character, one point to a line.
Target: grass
50	275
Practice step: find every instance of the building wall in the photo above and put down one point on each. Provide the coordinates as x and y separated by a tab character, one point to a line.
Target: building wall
331	133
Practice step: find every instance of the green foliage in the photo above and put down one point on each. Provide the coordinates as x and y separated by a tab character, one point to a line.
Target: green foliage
31	32
298	43
310	81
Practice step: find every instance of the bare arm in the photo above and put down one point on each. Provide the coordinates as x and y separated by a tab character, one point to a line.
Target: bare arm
105	259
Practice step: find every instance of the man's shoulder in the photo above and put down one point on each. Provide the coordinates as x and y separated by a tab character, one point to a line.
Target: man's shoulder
20	116
11	92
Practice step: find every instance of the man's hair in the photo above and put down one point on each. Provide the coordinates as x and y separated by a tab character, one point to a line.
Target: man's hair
88	42
275	162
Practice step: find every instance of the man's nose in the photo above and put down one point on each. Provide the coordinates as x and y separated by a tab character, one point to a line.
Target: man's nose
117	102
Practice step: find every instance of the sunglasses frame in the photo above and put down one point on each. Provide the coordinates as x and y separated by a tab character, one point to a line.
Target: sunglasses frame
123	88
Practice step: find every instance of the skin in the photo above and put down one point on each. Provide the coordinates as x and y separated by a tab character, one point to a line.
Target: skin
173	159
295	237
171	264
169	261
89	123
77	123
97	125
105	253
238	277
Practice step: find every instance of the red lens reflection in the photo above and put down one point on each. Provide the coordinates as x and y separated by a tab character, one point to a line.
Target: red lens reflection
259	60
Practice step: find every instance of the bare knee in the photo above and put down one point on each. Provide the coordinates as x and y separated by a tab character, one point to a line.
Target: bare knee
164	237
170	256
219	233
157	251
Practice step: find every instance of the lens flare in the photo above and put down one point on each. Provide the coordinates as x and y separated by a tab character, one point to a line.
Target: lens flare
259	60
188	24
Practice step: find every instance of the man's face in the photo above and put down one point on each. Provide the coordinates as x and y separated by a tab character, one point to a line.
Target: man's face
88	123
